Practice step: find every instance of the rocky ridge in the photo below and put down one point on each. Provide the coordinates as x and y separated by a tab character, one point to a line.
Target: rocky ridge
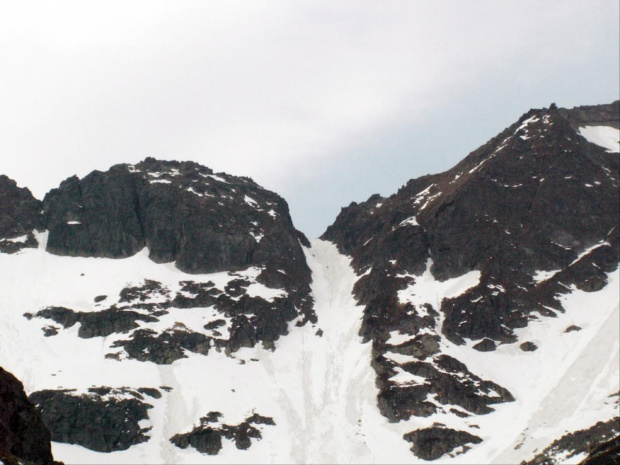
526	218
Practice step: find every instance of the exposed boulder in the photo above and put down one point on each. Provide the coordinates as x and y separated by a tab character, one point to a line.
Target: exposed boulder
528	346
485	345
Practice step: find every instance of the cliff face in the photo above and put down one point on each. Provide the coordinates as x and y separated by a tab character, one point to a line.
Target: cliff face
23	436
183	213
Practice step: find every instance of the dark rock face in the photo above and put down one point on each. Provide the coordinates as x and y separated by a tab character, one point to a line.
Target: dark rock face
103	419
20	216
534	211
432	443
94	324
607	453
601	441
182	212
23	435
207	437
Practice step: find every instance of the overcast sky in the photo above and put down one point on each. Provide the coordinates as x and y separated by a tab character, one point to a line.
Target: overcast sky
324	102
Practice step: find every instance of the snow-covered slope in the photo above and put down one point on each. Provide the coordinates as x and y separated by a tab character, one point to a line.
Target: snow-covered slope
318	388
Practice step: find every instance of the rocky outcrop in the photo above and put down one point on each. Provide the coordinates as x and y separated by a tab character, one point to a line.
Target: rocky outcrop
207	437
23	435
103	419
434	442
448	383
20	217
233	318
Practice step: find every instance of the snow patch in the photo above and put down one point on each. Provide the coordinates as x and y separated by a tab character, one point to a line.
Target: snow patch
426	289
250	201
412	221
603	136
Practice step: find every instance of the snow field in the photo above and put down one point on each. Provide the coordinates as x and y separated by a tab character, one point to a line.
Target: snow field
320	391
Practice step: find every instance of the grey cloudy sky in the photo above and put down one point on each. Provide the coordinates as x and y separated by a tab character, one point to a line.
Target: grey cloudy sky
324	102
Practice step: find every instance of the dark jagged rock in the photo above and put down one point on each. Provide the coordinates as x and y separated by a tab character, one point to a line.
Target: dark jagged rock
607	453
207	437
145	292
537	198
182	212
432	443
601	442
24	437
103	419
95	324
20	217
